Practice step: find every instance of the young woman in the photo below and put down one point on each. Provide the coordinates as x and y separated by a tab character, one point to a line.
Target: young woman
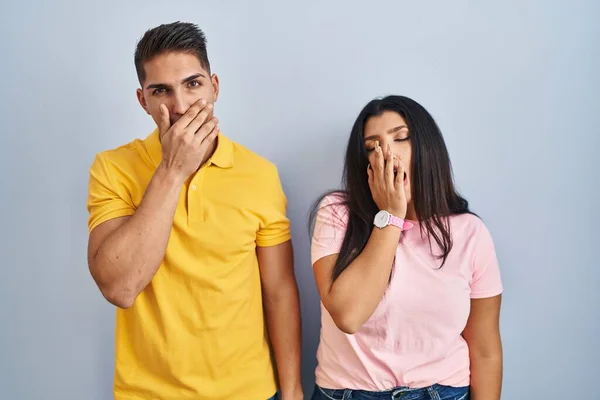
408	276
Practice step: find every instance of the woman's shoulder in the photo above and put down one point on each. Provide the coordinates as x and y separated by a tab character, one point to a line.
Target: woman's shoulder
468	225
334	200
332	206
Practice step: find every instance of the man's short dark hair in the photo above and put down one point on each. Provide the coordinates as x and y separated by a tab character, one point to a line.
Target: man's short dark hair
176	37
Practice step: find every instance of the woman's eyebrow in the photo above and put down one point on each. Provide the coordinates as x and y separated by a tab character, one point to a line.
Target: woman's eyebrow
393	130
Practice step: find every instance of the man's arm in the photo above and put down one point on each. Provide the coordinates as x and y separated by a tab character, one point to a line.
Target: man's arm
282	307
482	334
125	253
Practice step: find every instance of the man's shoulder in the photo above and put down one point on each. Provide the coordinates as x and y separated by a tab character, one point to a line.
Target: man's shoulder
251	158
123	156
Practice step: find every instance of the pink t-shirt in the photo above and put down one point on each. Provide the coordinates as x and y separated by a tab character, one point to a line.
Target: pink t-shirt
414	336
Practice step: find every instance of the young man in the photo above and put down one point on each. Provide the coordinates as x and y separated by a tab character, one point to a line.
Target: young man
189	239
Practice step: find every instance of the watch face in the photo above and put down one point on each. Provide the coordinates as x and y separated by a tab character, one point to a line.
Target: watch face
381	219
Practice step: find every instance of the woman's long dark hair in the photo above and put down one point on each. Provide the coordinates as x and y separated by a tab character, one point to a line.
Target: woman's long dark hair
434	195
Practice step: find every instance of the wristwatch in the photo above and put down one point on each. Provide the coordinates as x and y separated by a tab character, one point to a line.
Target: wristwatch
384	218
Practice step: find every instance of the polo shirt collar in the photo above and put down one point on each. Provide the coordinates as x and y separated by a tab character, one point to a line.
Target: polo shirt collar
222	157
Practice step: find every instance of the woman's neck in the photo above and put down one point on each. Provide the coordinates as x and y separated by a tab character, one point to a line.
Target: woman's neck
411	214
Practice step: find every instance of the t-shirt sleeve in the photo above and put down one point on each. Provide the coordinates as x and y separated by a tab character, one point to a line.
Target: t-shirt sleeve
103	201
329	228
486	280
274	226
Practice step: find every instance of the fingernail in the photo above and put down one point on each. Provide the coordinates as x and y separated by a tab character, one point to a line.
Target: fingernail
203	102
210	106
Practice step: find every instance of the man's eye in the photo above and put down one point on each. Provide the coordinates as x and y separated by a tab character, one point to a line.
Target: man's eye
159	91
194	83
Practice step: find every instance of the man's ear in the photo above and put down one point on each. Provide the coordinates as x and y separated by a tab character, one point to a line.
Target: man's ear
214	80
142	100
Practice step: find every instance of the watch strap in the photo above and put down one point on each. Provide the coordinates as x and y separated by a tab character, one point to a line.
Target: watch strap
400	223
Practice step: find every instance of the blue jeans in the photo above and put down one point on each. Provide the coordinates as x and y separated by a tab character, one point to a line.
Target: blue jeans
435	392
275	397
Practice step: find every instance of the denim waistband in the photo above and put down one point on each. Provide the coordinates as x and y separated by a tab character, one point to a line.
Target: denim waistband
434	392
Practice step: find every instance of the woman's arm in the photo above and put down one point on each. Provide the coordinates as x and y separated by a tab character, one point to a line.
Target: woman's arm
355	294
482	334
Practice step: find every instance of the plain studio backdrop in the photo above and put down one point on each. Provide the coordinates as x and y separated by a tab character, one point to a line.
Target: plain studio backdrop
513	85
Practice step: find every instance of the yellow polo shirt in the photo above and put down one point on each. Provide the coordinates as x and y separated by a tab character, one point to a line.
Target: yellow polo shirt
197	331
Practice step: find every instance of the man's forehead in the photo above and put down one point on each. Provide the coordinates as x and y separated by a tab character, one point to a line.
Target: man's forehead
167	77
173	68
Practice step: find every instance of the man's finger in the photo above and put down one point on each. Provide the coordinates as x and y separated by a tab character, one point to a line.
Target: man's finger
200	119
165	122
190	114
208	139
205	130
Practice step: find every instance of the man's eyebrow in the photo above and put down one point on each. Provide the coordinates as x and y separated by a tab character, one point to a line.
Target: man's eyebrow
164	85
192	77
158	86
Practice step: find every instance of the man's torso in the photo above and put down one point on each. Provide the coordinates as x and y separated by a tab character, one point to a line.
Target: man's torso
197	330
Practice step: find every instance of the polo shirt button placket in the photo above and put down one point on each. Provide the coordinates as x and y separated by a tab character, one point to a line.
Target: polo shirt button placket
195	201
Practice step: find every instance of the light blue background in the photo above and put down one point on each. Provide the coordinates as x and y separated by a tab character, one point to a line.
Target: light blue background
514	86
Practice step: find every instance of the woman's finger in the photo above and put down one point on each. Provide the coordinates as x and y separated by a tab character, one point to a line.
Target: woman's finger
378	165
399	181
389	168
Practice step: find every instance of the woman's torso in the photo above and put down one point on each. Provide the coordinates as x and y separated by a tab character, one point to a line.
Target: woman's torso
414	336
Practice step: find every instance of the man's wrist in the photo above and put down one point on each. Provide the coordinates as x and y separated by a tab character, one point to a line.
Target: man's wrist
293	393
168	177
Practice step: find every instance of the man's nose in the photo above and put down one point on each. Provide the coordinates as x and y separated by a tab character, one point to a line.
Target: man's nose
180	106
